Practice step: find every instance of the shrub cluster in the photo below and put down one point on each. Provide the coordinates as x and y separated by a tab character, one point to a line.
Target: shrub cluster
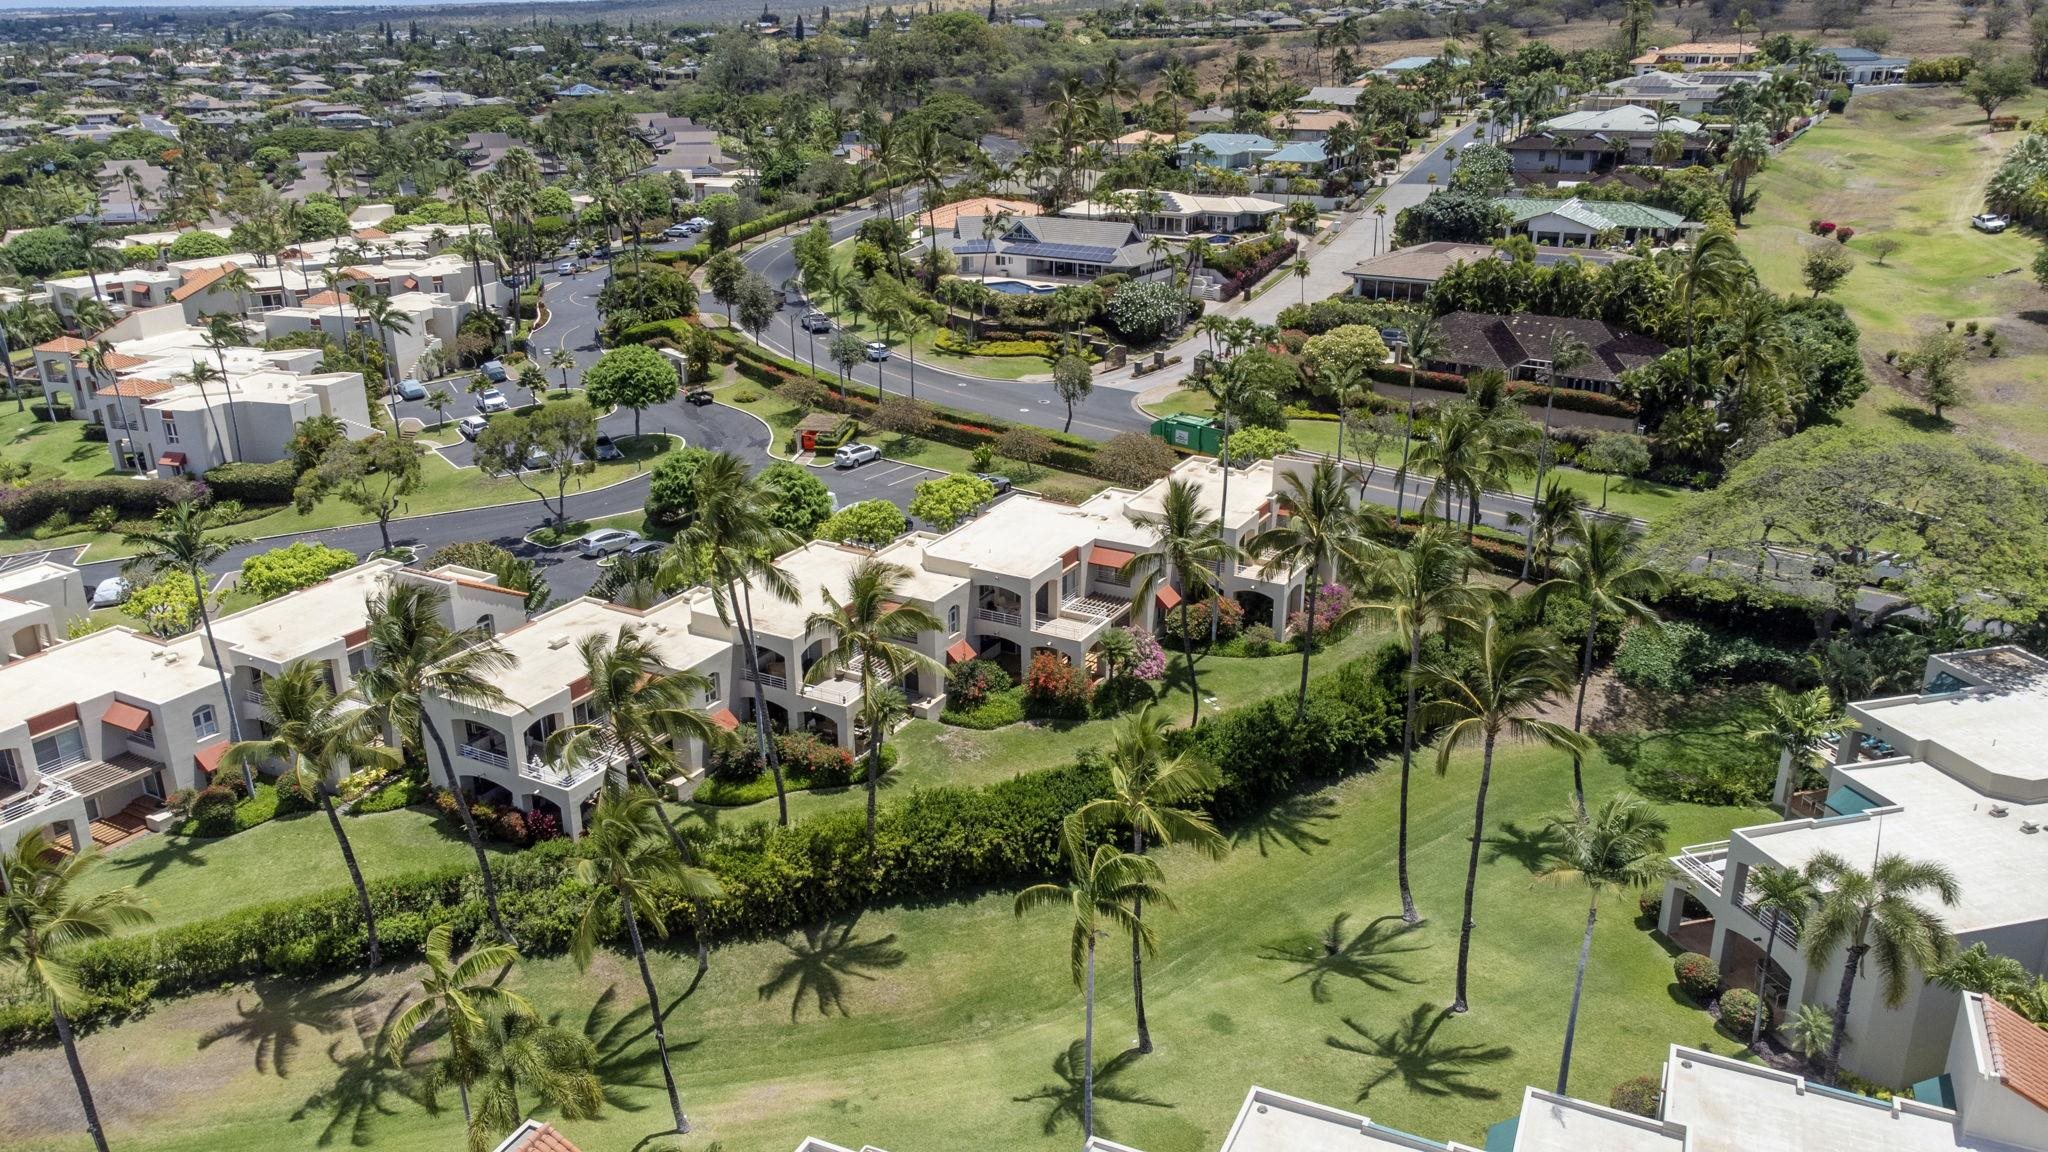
1193	625
23	508
1739	1008
972	682
1257	270
1055	688
1696	976
270	483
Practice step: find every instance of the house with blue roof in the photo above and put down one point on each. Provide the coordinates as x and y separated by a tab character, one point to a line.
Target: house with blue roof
579	91
1861	66
1307	154
1228	149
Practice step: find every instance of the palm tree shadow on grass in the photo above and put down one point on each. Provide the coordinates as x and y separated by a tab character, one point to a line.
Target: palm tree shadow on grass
173	851
820	963
1062	1097
1410	1052
274	1025
1366	957
369	1084
614	1036
1532	848
1289	824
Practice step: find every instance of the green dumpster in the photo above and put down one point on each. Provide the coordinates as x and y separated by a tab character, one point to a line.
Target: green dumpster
1188	431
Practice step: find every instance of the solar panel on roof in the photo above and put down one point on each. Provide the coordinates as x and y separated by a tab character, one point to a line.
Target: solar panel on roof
1082	252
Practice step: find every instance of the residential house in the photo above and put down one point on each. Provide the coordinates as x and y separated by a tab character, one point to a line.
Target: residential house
1159	212
1311	124
945	216
1577	223
1692	94
1520	347
1139	139
1588	141
1694	56
1307	156
1227	149
1950	775
1404	68
1051	248
37	601
1862	66
1268	594
1409	273
1341	97
1214	116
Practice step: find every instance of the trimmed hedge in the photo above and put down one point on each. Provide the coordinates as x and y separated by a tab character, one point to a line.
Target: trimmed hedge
254	483
1566	399
23	508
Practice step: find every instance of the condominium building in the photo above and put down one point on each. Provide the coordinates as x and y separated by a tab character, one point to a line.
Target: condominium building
1950	775
1992	1097
37	602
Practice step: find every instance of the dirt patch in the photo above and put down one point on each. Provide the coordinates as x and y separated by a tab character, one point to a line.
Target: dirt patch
960	744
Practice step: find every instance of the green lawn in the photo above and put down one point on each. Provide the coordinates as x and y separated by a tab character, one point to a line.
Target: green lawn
1911	166
995	367
1643	499
913	1027
186	878
51	450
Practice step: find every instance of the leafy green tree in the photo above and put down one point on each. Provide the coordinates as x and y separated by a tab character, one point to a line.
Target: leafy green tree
373	476
517	1051
870	522
1493	688
802	501
1614	454
945	502
1991	84
1148	791
1938	359
1072	381
1618	847
166	606
43	920
723	273
552	443
268	575
634	376
1876	914
183	538
1824	266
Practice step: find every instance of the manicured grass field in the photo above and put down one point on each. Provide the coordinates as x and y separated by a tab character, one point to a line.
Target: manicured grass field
51	450
1911	165
919	1028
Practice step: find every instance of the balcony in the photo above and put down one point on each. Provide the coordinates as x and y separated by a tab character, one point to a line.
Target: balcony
999	616
253	696
566	776
1094	606
765	679
1783	929
840	693
46	796
482	756
1705	863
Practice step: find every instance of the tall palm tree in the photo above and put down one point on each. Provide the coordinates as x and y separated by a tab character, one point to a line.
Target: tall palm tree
414	655
315	736
454	994
1190	550
870	633
1232	389
1494	689
199	376
561	359
1778	896
627	857
1425	342
519	1051
1705	275
1876	912
1567	353
732	526
1100	896
182	539
1619	848
1792	722
1602	568
42	919
385	318
1325	532
1146	791
1416	590
222	332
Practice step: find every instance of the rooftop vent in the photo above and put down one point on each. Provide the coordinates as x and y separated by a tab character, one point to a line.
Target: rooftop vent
560	641
1999	812
2029	827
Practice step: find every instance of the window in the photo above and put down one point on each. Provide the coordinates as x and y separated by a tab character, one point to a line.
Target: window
711	693
170	429
60	749
953	618
10	769
486	625
204	723
357	661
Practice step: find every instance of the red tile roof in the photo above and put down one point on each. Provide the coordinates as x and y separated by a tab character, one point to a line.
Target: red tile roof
199	280
62	344
534	1136
134	388
116	361
725	719
2019	1051
372	234
321	300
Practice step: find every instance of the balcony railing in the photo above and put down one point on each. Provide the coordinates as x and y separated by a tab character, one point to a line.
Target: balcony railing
50	794
482	755
1095	606
1780	927
56	764
999	616
252	695
1704	863
565	775
765	679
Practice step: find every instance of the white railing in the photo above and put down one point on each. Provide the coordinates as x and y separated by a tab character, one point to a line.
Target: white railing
765	679
998	616
57	764
1698	861
482	755
564	775
48	795
252	695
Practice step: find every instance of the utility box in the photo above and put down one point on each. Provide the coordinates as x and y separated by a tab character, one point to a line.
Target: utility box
1190	432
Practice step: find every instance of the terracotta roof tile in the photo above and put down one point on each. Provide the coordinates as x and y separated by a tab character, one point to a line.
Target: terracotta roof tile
62	344
120	360
533	1136
944	215
134	388
372	234
321	300
199	280
2019	1051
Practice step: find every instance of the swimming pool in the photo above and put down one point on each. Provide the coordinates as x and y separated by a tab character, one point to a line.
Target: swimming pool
1018	287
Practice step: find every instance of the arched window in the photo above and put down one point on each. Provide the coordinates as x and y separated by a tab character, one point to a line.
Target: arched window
487	624
203	722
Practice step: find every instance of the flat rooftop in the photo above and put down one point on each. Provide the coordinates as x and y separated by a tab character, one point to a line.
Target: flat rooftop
1276	1122
1732	1107
1998	865
1024	535
29	575
1251	488
1993	735
548	661
114	659
294	626
1552	1123
812	568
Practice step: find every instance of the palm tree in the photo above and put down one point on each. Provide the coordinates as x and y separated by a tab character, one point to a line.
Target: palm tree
561	359
199	376
1232	389
1324	531
42	919
1494	689
1876	912
1417	591
1709	272
1425	341
385	318
438	400
222	332
1777	896
518	1050
1105	888
732	525
1793	721
1567	353
1602	569
1145	793
1191	548
1620	847
627	856
1748	151
315	735
181	539
412	656
870	633
455	994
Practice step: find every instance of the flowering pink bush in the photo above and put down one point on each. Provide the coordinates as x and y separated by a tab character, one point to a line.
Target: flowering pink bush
1150	663
1823	227
1332	601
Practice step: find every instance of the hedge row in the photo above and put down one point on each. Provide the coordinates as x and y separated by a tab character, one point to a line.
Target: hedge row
254	483
1260	268
23	508
932	843
1567	399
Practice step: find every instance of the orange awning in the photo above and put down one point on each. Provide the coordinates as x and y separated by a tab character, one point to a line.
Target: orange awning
208	758
725	719
127	717
1166	598
1111	557
55	718
171	460
960	652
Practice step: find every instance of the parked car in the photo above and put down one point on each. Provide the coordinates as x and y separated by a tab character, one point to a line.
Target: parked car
817	322
495	370
491	400
698	396
996	480
877	351
1990	222
538	459
676	231
855	455
606	449
471	427
565	268
411	389
604	541
112	591
699	222
644	548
